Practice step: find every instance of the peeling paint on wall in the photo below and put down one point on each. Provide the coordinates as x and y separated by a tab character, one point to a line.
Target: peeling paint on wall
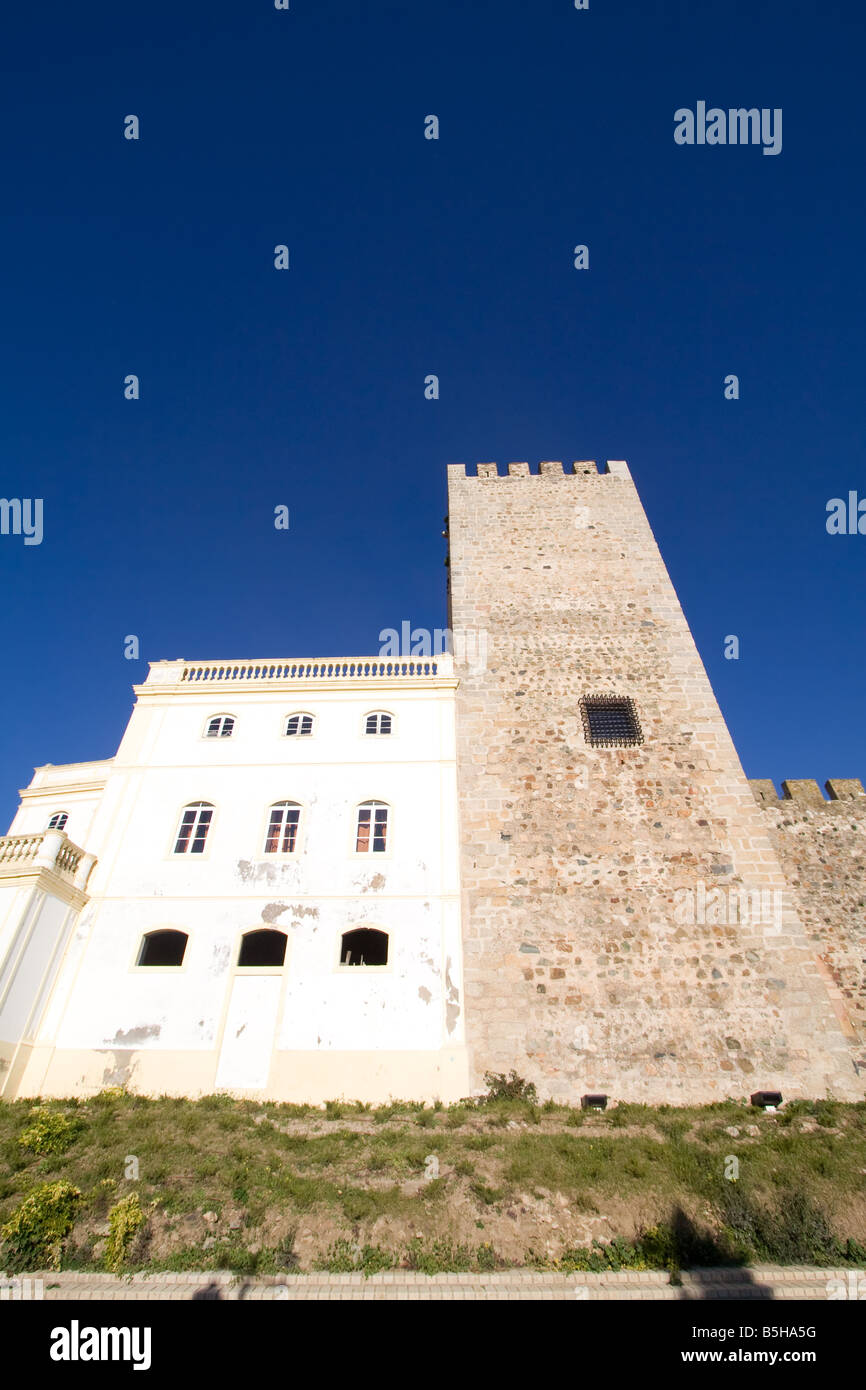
219	959
119	1071
267	874
137	1035
373	885
273	911
452	999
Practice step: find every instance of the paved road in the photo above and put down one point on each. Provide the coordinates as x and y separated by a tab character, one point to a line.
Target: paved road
760	1282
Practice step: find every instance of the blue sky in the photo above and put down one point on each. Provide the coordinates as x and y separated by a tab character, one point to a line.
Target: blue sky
411	257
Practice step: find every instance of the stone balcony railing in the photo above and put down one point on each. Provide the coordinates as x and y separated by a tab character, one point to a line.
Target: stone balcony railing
340	670
22	854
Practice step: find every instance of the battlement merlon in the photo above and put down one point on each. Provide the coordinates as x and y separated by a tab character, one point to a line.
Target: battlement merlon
806	791
548	468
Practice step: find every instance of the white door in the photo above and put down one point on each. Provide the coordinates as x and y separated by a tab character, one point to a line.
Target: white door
249	1033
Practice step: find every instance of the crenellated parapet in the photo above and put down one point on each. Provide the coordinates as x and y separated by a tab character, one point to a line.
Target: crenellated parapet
821	845
548	468
806	791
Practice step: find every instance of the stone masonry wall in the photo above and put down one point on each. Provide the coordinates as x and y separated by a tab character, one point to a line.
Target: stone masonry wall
611	934
822	849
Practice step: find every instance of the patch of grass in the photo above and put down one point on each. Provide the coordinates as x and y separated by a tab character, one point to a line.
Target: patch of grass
349	1257
383	1113
671	1245
368	1204
672	1125
628	1113
488	1195
402	1152
479	1141
447	1257
794	1231
654	1252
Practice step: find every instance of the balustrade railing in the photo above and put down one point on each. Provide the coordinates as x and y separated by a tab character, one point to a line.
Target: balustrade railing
378	668
16	849
50	850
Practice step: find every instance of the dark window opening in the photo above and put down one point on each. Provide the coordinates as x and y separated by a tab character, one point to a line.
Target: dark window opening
364	946
263	947
163	948
59	821
610	721
378	723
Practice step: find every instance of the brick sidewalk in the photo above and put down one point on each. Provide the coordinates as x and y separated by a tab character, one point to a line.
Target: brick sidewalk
760	1282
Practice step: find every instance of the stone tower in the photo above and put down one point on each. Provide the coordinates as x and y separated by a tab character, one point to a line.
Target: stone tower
627	925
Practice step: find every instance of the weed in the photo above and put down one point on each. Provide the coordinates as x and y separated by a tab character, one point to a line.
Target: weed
33	1238
125	1221
349	1257
49	1131
511	1087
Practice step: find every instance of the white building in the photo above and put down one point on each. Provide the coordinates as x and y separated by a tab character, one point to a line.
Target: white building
259	893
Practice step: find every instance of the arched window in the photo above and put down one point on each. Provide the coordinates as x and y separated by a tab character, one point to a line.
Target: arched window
283	828
220	726
58	821
194	825
364	946
372	831
299	725
378	722
162	948
266	946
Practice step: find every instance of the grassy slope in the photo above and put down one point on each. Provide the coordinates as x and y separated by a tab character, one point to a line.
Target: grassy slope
251	1186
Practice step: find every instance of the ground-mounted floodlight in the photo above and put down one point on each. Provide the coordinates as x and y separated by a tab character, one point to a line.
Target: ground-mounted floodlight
767	1100
593	1102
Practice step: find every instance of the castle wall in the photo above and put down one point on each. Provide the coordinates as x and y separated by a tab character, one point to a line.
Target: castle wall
612	940
822	849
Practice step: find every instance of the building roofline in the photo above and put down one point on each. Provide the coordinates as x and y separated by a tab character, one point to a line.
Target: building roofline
282	673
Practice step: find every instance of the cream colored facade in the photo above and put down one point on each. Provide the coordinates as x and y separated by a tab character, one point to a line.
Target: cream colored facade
77	1011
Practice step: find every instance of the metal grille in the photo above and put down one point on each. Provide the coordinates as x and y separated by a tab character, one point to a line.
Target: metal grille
610	721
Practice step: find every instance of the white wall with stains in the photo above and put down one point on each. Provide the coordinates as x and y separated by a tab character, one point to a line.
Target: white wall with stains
298	1031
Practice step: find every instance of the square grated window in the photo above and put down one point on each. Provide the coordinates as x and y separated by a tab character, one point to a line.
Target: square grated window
610	721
